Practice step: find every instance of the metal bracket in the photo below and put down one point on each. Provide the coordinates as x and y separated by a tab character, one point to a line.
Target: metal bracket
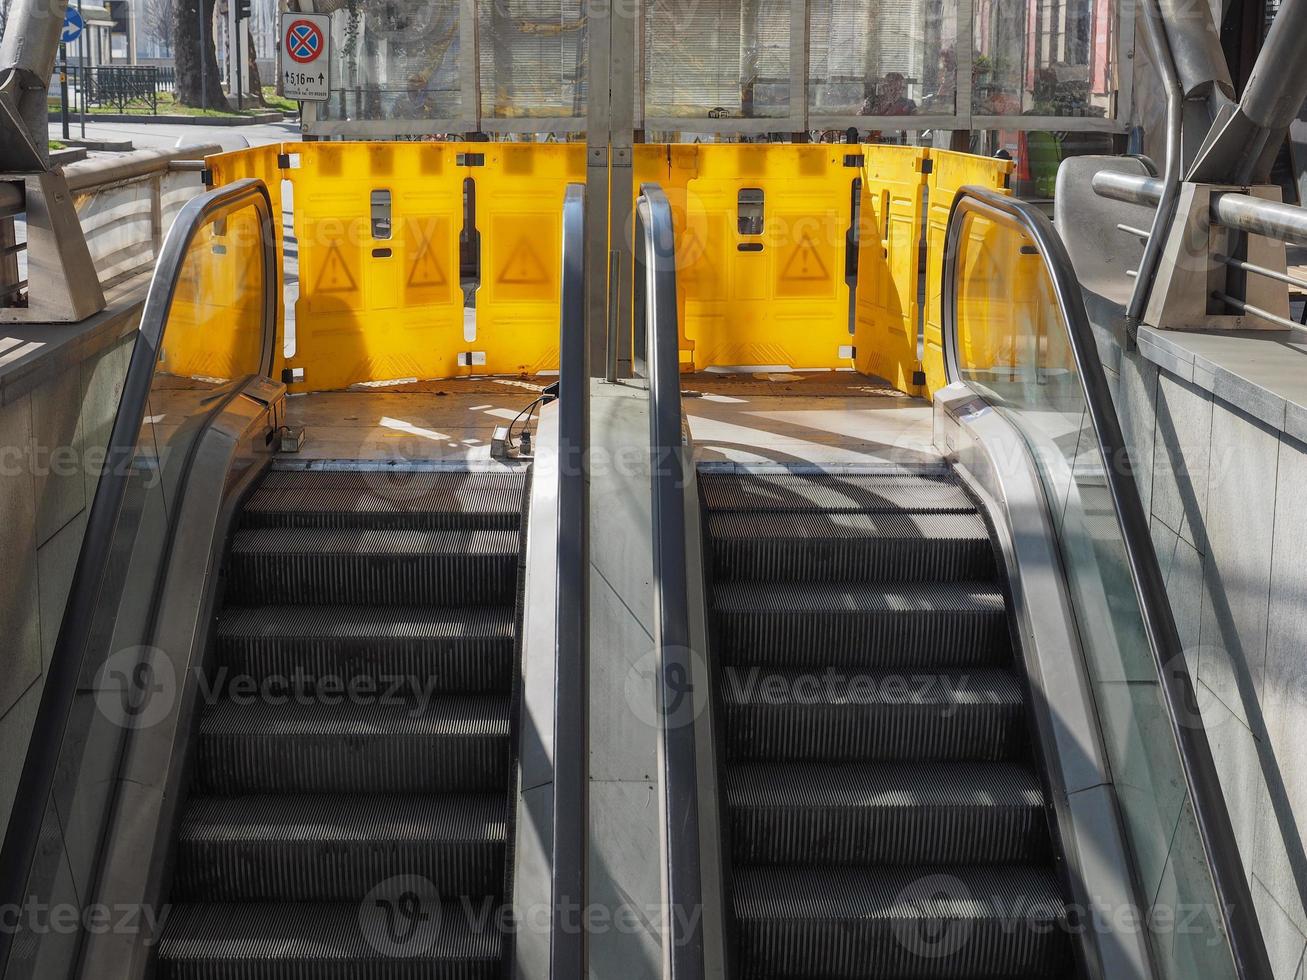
58	262
471	160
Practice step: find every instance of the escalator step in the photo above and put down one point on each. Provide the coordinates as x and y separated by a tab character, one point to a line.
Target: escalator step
452	744
888	813
430	649
333	566
327	848
328	941
909	625
873	716
925	922
848	547
918	491
386	499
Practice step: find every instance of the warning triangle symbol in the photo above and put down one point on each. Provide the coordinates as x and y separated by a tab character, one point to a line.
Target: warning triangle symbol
426	270
692	253
335	275
523	267
805	263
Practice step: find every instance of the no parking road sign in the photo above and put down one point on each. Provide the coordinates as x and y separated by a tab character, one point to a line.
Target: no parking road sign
306	56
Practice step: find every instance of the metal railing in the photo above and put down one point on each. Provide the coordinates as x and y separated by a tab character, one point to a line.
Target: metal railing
1229	209
64	673
1215	830
656	357
567	948
116	85
111	228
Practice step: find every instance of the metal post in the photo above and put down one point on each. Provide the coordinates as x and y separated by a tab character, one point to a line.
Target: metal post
204	61
63	87
82	74
1242	146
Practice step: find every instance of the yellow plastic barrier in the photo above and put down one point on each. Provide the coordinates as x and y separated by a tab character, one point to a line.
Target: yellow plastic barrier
671	166
378	299
218	282
762	240
889	258
519	214
215	322
764	277
950	171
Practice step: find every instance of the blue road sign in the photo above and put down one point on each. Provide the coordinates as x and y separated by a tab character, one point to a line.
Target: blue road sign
73	26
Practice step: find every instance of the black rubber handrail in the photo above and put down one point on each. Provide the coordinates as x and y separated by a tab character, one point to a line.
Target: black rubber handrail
567	947
1220	847
656	350
36	782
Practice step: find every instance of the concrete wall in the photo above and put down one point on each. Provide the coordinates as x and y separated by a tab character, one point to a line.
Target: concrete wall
57	404
1227	494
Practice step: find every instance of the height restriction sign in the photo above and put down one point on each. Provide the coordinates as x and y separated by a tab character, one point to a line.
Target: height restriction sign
306	56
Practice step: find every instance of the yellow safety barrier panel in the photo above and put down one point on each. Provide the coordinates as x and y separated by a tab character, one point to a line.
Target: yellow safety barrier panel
377	226
761	255
1008	319
215	322
763	237
671	166
519	214
889	260
217	291
950	171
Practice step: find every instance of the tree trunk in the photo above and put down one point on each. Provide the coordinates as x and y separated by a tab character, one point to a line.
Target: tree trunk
256	83
198	81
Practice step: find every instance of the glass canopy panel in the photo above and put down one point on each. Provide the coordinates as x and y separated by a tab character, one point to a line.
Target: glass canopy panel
727	59
1044	58
533	58
393	59
882	57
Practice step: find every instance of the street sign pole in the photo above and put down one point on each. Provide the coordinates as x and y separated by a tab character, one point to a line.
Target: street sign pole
63	87
81	74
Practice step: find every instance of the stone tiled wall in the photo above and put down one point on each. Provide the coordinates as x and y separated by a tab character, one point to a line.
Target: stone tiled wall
52	439
1227	496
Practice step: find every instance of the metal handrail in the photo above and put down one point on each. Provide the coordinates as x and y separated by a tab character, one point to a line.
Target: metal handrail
1154	242
1212	816
656	351
1229	209
63	675
567	947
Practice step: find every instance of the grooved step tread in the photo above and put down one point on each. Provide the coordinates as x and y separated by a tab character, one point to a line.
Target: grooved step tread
298	847
869	688
894	894
904	490
378	542
382	495
299	818
859	597
325	941
885	814
892	785
448	716
369	622
924	529
926	923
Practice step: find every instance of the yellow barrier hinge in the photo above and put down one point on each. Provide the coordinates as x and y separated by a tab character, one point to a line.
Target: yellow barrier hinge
918	375
206	177
283	161
854	159
471	160
927	165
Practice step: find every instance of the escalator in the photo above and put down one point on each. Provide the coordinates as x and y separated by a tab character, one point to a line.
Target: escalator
881	798
373	776
949	726
295	706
